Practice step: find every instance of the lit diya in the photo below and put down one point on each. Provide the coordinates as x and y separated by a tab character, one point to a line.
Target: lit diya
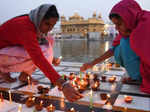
42	90
128	99
39	107
50	108
71	110
95	86
81	89
117	65
112	79
30	102
83	83
109	64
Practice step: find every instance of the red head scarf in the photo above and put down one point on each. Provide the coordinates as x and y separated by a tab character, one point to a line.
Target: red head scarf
138	21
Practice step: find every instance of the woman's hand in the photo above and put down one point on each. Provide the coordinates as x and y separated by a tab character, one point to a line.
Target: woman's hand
70	93
56	61
85	66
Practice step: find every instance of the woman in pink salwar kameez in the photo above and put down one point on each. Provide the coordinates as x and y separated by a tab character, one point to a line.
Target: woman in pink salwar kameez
16	59
21	50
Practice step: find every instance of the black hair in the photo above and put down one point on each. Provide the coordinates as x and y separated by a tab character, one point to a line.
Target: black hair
51	13
114	15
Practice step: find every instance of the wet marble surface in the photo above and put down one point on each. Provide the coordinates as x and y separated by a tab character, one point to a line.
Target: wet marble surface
6	106
67	67
138	103
11	85
126	88
32	88
112	72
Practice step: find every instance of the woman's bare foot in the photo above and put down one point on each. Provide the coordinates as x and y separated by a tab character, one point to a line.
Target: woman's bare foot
23	77
7	78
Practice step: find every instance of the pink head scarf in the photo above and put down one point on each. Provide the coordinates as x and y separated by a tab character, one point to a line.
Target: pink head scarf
138	21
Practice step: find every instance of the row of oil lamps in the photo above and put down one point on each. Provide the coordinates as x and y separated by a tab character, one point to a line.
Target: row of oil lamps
92	80
51	108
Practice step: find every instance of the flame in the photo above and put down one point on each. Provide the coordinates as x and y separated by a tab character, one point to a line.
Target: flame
51	105
72	109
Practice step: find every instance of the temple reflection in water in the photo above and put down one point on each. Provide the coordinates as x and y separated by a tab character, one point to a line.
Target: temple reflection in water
80	50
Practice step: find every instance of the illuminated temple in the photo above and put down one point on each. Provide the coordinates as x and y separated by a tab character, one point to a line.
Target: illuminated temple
77	26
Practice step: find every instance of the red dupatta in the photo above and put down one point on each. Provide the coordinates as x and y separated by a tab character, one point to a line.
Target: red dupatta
138	21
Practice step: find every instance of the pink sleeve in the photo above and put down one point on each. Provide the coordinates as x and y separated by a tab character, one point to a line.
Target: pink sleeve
30	43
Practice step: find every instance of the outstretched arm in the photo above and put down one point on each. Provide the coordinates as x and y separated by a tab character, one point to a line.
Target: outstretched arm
30	43
106	55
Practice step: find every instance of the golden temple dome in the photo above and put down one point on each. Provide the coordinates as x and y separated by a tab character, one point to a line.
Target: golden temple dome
94	15
99	16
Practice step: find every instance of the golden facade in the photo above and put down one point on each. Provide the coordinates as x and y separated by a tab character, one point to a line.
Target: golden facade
78	25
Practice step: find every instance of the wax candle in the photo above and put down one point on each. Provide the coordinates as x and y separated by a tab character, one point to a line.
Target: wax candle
41	103
1	97
81	75
91	99
108	96
20	108
10	98
113	87
29	82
